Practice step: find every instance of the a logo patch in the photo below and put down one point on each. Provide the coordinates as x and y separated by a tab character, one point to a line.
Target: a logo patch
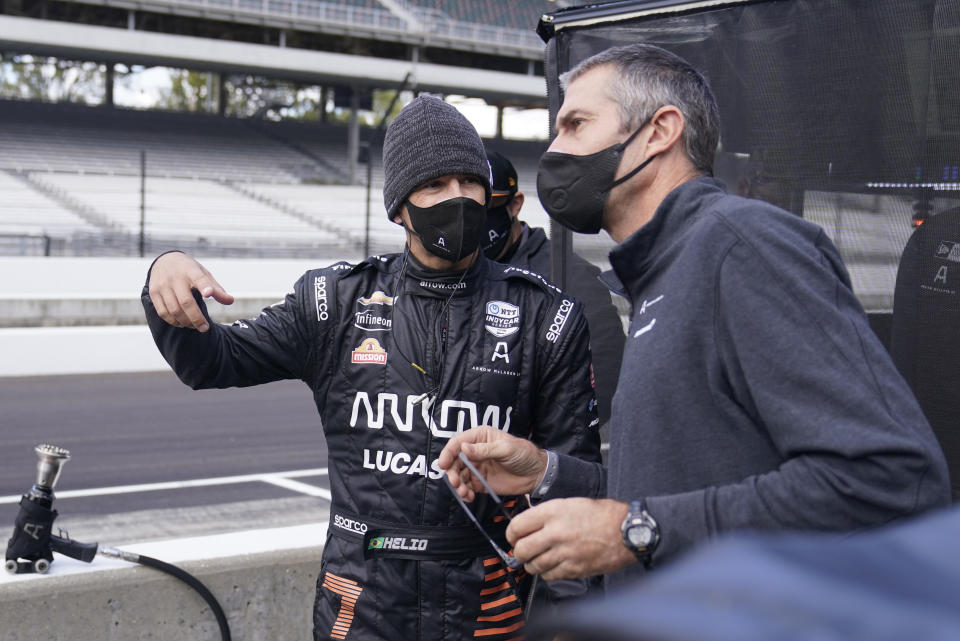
502	319
397	543
369	352
559	320
370	321
320	294
646	328
948	250
649	303
376	298
350	525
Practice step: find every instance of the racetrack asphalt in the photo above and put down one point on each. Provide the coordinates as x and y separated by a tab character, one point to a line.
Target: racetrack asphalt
153	459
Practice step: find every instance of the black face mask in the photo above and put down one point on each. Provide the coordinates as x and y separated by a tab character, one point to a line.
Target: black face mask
498	231
451	229
574	189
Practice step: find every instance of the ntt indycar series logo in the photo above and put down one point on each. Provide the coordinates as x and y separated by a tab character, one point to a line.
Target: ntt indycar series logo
397	543
502	319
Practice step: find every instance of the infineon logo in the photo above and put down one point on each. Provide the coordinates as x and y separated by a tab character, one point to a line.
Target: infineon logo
369	352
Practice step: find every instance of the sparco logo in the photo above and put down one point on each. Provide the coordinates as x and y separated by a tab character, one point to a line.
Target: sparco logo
397	543
320	290
559	320
350	525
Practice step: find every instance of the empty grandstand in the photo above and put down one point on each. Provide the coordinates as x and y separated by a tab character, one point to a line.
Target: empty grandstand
97	179
70	180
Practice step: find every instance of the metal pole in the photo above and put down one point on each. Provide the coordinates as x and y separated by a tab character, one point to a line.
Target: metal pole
143	201
353	134
366	234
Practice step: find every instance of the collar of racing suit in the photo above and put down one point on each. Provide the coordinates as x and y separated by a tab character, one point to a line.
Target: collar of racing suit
420	280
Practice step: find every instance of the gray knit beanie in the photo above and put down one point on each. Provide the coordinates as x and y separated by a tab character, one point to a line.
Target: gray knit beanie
429	139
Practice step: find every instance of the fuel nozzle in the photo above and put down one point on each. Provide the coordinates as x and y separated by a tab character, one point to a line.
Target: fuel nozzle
49	464
32	545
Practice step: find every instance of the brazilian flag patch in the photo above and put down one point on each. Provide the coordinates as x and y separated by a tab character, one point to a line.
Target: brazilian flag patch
375	543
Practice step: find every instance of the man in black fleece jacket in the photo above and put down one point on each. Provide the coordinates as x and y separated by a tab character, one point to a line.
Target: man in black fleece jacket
753	394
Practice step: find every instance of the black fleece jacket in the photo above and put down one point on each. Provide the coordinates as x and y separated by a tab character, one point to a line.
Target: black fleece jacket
753	393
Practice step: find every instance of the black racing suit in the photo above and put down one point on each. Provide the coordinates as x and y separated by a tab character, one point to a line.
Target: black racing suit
400	358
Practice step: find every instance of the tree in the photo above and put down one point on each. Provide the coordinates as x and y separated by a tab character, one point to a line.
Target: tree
189	91
249	95
26	77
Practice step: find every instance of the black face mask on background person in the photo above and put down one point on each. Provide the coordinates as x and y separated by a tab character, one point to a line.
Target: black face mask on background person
451	229
497	231
574	189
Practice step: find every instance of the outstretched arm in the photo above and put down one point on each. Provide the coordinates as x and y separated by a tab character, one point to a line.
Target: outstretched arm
275	345
172	279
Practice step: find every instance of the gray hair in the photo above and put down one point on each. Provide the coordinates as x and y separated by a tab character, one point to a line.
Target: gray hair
648	78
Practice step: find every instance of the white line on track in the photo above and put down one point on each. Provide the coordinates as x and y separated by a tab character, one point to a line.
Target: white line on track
275	478
297	486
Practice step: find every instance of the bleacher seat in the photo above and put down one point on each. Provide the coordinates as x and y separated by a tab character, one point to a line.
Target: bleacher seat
186	208
24	211
211	181
80	139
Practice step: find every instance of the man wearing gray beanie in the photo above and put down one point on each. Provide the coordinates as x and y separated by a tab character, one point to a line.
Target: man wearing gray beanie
402	352
428	139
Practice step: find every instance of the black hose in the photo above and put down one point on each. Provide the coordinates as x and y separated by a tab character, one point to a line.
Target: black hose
194	583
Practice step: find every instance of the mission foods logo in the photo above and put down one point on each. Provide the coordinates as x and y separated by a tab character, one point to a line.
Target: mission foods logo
369	352
503	319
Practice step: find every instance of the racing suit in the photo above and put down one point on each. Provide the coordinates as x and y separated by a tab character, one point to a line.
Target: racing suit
400	358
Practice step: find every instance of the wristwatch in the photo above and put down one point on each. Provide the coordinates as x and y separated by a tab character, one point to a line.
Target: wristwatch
640	532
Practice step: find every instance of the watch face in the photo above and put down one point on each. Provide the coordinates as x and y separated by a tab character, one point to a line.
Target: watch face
640	535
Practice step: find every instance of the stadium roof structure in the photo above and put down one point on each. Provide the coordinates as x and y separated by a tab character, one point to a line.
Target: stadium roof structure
78	41
478	48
